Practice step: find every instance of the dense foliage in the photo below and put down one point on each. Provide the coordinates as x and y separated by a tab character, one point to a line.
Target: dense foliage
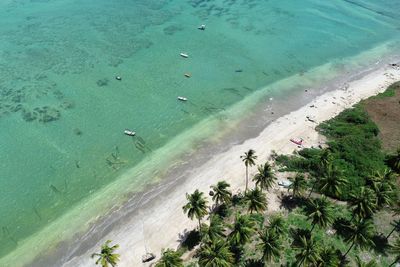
353	147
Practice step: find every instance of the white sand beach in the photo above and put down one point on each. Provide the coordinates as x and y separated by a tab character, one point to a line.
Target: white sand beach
162	222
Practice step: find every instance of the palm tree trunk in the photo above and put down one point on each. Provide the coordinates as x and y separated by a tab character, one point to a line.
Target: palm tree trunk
312	189
391	232
247	179
199	225
393	263
344	256
301	262
353	217
312	228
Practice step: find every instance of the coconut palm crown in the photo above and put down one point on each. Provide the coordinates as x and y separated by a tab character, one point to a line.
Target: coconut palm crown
196	206
242	230
363	203
221	192
298	185
107	257
319	211
215	254
256	200
170	258
265	177
271	245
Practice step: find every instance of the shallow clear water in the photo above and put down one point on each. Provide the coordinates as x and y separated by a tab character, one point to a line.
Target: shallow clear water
62	112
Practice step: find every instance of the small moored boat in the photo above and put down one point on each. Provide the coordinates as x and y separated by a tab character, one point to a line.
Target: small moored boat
298	142
148	257
184	55
129	132
181	98
202	27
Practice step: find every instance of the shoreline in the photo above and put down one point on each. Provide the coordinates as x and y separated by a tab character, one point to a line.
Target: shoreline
61	245
141	231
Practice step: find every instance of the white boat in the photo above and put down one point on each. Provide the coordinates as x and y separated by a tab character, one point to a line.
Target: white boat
129	132
202	27
184	55
181	98
284	183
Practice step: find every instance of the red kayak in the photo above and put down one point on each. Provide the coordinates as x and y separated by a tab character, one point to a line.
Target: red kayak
297	142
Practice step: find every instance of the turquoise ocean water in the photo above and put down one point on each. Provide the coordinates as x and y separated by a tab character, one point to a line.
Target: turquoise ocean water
62	112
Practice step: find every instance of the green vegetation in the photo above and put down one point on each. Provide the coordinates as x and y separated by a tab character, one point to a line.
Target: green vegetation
170	258
107	257
196	206
353	154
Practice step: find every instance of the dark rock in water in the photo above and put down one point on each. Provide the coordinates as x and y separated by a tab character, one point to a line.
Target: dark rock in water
115	62
102	82
16	108
67	105
171	30
78	131
50	114
58	94
28	116
239	70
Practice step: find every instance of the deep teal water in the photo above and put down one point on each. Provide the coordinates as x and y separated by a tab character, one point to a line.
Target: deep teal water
62	112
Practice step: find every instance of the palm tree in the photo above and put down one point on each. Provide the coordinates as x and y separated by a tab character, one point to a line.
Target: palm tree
215	254
384	195
170	258
319	211
214	231
107	256
248	158
363	203
196	206
328	257
315	182
308	254
256	201
242	230
382	185
331	182
298	185
271	245
395	249
360	263
325	161
221	192
277	224
265	178
323	165
360	235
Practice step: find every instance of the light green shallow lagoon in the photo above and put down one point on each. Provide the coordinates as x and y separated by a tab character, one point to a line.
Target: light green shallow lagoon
62	112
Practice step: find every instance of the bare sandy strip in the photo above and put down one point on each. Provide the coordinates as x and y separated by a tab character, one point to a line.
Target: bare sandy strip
161	224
